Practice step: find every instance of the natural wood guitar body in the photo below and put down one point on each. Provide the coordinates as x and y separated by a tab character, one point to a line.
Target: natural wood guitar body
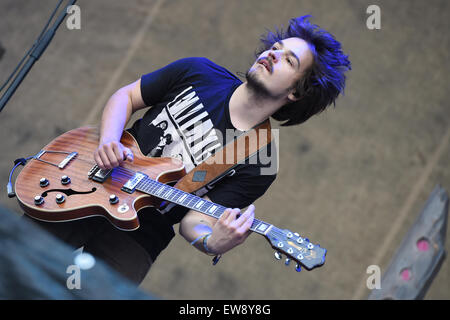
83	196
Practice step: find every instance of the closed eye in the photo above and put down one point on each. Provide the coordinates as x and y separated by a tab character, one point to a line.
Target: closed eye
287	56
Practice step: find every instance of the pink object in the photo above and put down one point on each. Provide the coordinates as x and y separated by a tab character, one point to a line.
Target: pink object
406	274
423	244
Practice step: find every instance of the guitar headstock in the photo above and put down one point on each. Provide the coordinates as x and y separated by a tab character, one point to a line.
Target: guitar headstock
296	248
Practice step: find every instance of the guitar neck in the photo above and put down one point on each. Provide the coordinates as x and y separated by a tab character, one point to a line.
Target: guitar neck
193	202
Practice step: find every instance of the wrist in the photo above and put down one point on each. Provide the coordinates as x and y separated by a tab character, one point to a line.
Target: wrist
201	242
208	250
204	242
106	140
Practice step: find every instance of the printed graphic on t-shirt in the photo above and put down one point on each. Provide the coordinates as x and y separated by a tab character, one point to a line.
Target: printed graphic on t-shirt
184	130
164	139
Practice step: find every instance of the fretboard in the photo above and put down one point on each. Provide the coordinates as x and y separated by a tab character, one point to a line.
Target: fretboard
191	201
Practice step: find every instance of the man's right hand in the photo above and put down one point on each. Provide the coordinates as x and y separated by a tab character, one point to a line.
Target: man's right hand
118	110
112	154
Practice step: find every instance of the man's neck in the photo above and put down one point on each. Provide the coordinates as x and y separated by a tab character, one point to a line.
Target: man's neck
247	110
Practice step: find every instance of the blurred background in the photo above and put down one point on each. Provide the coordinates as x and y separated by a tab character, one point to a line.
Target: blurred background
353	178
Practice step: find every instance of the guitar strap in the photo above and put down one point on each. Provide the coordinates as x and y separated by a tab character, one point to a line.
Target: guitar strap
223	162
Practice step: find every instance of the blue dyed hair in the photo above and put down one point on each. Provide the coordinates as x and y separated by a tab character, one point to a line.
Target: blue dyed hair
322	82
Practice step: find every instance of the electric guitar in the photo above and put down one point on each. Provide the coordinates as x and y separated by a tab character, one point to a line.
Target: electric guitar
62	182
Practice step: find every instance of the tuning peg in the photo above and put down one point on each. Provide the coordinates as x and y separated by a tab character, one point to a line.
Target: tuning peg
298	268
287	261
278	255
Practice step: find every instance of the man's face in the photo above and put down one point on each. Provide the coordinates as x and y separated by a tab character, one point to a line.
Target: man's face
276	70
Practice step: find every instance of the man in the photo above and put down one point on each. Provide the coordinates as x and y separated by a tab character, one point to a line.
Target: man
297	74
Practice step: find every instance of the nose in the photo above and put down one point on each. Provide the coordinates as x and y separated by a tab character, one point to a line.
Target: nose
275	55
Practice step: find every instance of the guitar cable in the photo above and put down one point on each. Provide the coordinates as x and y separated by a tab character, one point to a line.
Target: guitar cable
17	162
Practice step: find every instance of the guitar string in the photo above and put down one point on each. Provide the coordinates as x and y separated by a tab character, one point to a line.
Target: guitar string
149	182
150	185
154	184
91	162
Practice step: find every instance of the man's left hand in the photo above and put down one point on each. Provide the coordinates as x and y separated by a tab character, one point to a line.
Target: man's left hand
231	229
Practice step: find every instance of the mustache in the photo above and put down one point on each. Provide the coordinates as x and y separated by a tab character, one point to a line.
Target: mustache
269	62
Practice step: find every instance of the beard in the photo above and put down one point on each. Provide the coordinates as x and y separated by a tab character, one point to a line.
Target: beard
258	88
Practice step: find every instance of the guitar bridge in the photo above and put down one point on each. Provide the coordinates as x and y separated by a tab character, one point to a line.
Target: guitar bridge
98	174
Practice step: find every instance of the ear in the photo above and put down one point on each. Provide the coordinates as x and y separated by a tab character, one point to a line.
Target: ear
293	96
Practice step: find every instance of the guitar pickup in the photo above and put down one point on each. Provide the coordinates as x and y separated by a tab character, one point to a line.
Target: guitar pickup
98	174
133	182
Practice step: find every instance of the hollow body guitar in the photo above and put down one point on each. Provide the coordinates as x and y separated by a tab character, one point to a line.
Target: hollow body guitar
63	183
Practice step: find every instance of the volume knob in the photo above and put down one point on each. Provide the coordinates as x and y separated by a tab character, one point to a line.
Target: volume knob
38	200
43	182
65	180
113	199
60	198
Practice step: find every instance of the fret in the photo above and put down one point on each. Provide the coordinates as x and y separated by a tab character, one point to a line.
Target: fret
215	210
160	190
176	195
199	204
146	186
260	226
182	198
190	198
169	193
141	185
205	206
219	211
212	209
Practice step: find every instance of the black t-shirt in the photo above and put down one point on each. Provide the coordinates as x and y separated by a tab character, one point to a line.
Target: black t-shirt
189	119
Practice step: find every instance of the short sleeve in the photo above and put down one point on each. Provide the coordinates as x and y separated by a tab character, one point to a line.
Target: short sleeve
156	84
